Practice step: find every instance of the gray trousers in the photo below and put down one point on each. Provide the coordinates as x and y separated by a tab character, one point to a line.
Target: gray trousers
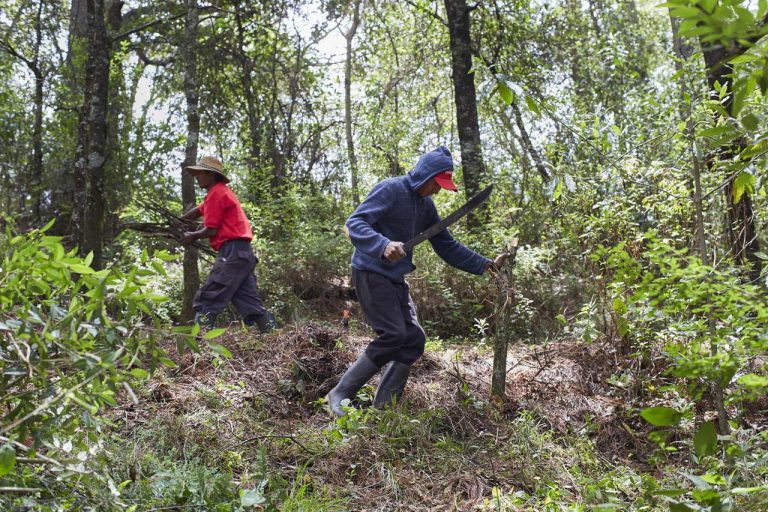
389	309
231	279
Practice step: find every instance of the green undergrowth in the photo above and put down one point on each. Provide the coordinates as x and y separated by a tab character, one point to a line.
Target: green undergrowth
210	455
212	451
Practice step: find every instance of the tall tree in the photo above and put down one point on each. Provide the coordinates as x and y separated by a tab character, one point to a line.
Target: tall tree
247	64
464	94
349	35
740	215
92	140
189	51
33	186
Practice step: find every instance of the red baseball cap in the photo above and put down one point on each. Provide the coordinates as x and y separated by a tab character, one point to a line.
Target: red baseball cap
445	180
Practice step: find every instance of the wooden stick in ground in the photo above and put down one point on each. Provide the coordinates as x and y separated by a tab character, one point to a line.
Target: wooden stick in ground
501	313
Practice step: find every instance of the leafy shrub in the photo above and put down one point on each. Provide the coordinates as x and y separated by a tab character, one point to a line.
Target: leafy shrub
71	339
712	327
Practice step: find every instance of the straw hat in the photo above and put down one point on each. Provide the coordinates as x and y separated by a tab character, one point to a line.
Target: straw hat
208	163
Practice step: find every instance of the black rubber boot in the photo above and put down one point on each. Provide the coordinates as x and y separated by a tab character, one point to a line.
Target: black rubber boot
353	379
207	320
265	322
392	384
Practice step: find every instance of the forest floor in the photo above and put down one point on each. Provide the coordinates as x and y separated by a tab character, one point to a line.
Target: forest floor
258	418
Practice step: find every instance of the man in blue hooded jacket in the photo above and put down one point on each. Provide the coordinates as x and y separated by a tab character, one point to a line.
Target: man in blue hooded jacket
395	211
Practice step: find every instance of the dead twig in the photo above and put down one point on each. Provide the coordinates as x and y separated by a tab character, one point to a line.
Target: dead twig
279	436
166	224
21	490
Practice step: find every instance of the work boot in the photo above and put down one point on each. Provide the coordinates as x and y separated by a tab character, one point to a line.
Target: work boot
206	320
392	384
353	379
265	322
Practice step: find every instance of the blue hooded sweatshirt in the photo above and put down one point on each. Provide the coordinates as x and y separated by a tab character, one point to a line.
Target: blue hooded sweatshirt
395	212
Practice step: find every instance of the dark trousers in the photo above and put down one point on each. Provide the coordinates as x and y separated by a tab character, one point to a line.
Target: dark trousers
231	279
389	309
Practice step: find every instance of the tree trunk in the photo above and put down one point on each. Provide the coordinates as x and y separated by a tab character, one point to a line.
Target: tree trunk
76	46
465	98
683	52
541	166
686	114
191	269
349	35
740	217
37	129
254	126
92	150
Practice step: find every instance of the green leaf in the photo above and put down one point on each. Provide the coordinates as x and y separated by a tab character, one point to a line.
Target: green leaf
687	27
698	30
48	226
744	182
165	256
532	105
252	497
753	381
167	362
672	493
661	416
80	269
705	440
610	507
726	376
708	5
506	93
745	57
159	268
741	90
685	12
714	479
697	481
745	16
619	307
214	333
680	507
221	350
749	490
750	122
716	131
7	459
139	373
706	495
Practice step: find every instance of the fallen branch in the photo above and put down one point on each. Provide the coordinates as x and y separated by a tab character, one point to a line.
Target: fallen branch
279	436
21	490
167	225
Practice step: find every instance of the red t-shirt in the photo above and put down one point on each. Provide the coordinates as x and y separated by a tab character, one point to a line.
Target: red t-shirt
222	211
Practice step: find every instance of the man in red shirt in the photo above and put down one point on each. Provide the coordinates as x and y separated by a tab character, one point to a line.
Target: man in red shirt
229	232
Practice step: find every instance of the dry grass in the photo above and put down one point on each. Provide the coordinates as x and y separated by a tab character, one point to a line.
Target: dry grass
446	452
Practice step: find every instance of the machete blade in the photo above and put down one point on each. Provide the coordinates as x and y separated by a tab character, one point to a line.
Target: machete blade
452	218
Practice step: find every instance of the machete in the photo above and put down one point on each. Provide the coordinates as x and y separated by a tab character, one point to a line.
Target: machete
438	227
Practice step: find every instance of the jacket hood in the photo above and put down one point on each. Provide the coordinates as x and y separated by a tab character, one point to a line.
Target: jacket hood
430	164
